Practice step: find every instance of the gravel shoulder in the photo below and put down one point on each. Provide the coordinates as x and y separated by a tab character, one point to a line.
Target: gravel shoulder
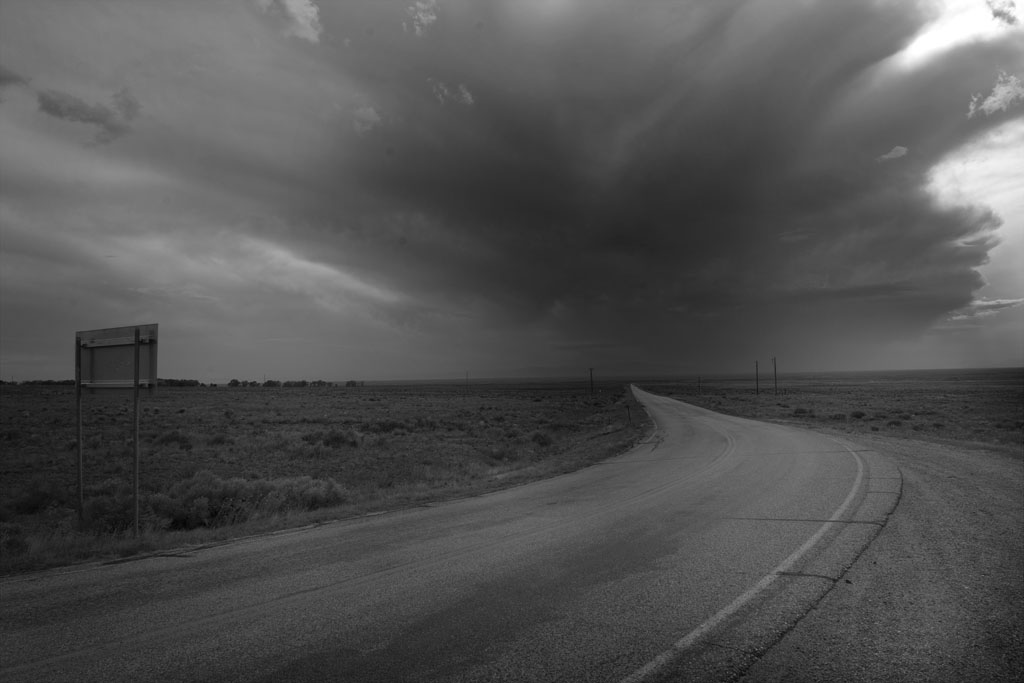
939	594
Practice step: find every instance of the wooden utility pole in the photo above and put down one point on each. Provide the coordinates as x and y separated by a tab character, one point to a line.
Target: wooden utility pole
757	380
591	380
775	375
698	385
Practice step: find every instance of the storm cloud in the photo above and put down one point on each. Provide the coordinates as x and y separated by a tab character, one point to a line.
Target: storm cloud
9	78
112	121
1003	10
531	186
299	18
644	184
1006	92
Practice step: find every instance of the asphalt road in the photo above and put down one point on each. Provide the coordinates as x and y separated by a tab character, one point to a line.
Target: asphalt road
685	558
939	595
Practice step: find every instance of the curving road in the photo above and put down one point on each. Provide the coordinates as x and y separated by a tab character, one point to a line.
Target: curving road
686	557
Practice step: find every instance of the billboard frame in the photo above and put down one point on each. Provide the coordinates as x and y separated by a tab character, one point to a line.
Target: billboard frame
101	360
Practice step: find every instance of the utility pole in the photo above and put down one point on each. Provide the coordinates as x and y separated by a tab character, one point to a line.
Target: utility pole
775	375
757	380
698	385
591	380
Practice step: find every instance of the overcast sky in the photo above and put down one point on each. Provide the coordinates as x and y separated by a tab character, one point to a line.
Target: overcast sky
372	189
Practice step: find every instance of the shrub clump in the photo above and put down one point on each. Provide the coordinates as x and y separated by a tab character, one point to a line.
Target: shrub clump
12	539
36	497
109	507
382	426
541	439
205	499
333	438
175	437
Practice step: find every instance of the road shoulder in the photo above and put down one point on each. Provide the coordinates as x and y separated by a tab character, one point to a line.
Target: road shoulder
939	594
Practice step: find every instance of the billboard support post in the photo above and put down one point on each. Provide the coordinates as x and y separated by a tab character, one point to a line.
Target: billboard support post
78	423
135	436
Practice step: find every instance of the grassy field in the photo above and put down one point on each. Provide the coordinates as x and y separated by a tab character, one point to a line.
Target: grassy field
961	406
220	462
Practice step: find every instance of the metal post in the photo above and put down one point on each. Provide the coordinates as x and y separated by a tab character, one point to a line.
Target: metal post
78	423
136	438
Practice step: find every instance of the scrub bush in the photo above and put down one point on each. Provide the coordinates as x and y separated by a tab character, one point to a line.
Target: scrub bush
206	500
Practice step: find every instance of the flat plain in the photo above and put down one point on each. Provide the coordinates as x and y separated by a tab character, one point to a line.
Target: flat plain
222	462
937	595
218	462
982	407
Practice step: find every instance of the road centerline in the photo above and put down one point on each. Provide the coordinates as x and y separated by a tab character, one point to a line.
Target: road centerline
665	658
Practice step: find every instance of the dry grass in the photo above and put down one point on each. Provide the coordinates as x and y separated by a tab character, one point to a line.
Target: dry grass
222	462
962	406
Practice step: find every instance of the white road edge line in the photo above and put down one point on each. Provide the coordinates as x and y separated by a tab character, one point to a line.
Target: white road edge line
679	647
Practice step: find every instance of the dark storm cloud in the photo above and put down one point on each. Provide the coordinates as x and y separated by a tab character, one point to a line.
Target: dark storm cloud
113	122
8	78
1002	10
673	167
126	104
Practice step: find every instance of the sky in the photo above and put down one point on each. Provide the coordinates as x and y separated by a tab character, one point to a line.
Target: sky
417	189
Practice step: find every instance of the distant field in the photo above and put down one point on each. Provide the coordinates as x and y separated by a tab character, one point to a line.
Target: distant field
221	461
962	406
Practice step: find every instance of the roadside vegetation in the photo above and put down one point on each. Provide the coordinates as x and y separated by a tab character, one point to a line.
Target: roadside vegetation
984	407
223	462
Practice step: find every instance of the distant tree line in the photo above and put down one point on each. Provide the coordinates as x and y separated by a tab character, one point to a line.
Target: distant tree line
43	382
163	382
160	382
292	383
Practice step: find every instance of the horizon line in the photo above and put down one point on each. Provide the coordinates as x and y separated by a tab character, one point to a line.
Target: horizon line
583	378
